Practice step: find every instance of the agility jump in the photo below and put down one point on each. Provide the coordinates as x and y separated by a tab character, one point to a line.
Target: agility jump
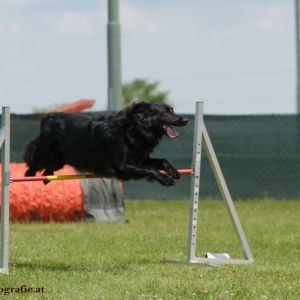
200	137
78	176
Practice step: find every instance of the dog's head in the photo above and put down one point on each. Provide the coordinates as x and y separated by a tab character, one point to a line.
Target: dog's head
157	117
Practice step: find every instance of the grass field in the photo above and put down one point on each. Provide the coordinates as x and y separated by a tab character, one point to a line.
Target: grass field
126	261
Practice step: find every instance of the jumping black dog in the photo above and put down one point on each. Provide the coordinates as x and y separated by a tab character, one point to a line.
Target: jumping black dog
112	144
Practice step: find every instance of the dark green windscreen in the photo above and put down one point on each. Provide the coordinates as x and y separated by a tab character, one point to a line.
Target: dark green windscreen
259	156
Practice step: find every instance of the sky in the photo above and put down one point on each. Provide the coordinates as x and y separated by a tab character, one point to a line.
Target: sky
237	56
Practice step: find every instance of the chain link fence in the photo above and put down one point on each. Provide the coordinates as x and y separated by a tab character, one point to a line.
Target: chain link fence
259	156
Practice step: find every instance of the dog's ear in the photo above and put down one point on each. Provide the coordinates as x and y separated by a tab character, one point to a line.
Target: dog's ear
138	107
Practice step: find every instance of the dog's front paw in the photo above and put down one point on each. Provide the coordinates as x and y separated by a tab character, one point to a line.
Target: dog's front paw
174	173
165	179
171	170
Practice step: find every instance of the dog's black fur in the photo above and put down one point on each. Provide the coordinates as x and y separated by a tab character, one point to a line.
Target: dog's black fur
113	144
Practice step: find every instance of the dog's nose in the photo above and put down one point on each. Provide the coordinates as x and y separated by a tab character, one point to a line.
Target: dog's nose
184	121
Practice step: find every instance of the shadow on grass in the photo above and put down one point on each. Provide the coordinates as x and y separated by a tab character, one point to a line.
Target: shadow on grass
50	266
108	266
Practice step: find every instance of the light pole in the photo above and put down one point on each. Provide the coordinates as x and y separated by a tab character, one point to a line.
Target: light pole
114	56
297	10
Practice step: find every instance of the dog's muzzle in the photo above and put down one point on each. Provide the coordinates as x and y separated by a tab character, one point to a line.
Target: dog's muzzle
181	122
170	131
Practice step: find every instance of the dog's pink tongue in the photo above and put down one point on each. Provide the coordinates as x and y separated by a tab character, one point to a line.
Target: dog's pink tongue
172	133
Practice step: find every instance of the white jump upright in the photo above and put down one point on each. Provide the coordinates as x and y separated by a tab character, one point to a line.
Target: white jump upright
5	181
201	137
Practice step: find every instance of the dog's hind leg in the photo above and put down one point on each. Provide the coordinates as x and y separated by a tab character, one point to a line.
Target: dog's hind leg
40	155
32	157
31	171
47	173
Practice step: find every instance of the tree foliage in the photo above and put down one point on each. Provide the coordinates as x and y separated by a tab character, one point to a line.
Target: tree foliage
141	89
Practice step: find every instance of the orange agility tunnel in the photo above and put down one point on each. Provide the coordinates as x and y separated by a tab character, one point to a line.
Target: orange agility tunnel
33	201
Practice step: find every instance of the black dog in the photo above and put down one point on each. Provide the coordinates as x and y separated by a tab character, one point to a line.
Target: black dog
113	144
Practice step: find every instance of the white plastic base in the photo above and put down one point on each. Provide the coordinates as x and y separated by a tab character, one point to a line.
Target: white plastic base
213	261
3	270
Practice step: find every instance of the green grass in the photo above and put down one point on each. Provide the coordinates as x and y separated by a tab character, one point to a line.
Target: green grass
125	261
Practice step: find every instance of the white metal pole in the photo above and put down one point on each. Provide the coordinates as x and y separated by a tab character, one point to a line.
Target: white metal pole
5	157
195	182
225	194
201	135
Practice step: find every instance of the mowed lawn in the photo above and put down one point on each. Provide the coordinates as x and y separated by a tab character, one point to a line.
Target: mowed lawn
127	261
